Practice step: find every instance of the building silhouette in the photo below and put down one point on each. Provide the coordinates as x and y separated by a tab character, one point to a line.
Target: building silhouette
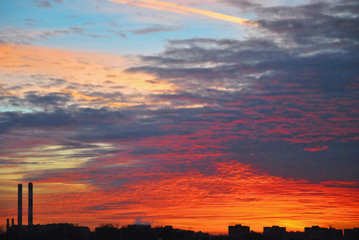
351	234
19	207
238	231
30	206
318	233
19	204
275	233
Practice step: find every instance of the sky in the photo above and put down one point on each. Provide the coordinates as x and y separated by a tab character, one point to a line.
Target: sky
196	114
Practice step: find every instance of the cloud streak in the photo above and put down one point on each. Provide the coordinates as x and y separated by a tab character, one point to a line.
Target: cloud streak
156	28
175	8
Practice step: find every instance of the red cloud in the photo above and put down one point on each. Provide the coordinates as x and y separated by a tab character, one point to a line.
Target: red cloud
318	148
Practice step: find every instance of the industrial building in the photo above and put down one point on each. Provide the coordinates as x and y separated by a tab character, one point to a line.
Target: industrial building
19	207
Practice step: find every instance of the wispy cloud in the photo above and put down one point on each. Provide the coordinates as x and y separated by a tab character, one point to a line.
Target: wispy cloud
45	4
157	28
176	8
315	149
20	35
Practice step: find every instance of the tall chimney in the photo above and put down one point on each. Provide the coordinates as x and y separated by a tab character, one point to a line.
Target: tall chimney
30	205
7	224
12	222
19	204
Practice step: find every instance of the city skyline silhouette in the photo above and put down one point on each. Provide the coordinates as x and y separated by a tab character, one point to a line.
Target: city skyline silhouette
141	231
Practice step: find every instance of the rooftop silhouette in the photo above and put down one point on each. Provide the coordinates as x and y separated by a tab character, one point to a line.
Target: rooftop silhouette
67	231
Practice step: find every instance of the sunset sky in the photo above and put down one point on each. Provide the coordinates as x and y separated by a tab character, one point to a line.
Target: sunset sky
196	113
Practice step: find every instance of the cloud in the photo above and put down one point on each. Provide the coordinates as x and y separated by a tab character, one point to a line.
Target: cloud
42	4
139	220
157	28
316	149
51	99
282	94
37	100
244	5
17	163
274	109
321	23
171	7
75	69
18	35
118	32
45	4
71	117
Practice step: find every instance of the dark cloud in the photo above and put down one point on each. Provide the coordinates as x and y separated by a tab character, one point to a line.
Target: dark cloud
59	117
112	205
118	32
324	30
82	31
116	29
317	38
323	24
55	82
244	5
42	4
290	161
244	64
32	21
343	185
45	4
2	162
157	28
51	99
39	100
20	35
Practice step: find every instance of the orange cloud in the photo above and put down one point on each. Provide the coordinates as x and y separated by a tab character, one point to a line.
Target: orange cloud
34	67
171	7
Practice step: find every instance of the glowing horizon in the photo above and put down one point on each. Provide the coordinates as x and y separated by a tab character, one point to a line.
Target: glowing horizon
247	192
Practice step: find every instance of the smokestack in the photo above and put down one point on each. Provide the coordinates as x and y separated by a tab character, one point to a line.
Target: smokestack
19	204
30	205
7	224
12	222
